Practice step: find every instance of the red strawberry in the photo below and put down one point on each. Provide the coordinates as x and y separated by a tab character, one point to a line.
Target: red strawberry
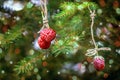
99	63
47	34
43	44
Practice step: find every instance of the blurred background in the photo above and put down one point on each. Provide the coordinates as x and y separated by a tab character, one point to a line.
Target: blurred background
22	59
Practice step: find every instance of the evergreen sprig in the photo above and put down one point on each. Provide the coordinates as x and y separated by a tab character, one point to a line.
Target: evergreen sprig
27	64
11	35
24	66
84	5
70	8
65	46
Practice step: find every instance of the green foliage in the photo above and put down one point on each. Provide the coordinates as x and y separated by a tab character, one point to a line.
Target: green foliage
71	17
27	64
29	5
71	22
86	4
70	8
23	66
66	45
11	36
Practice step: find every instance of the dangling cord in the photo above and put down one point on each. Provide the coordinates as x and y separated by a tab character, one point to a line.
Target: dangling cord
92	52
43	6
92	15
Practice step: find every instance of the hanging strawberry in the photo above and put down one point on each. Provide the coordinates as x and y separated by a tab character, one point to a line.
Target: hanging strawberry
47	34
99	63
43	44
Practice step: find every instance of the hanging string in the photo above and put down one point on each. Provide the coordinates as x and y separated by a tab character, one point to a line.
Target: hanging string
94	51
43	6
92	15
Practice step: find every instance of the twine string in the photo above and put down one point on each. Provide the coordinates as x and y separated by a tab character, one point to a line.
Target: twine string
94	51
43	6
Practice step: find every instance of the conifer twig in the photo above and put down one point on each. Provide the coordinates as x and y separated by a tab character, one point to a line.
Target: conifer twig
27	64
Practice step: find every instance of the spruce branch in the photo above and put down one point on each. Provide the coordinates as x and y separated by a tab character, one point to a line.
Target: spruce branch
68	10
10	36
65	46
27	64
